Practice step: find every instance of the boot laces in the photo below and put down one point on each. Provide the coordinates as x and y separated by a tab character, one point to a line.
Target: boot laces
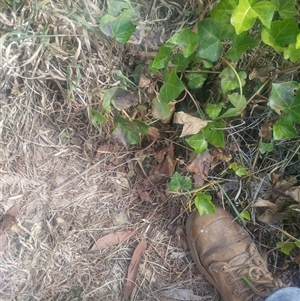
252	273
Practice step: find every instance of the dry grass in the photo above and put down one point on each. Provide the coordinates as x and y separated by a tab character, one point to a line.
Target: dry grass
68	179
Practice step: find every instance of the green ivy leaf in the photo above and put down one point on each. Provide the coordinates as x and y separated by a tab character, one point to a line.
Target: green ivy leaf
297	243
181	62
229	80
245	14
285	8
178	182
214	133
292	52
203	203
238	101
240	44
187	39
196	79
282	96
284	128
143	128
172	87
161	109
266	147
214	109
223	10
211	33
198	143
96	118
121	28
286	248
107	98
238	169
295	108
246	215
162	58
280	34
115	6
129	128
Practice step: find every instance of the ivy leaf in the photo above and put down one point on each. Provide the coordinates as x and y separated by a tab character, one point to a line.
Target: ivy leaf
121	28
187	39
245	14
115	6
246	215
286	248
211	33
161	109
143	128
266	147
240	44
297	243
181	62
196	79
223	10
198	143
231	112
172	87
178	182
214	109
203	203
285	8
280	34
284	128
295	108
96	118
238	101
229	80
107	98
282	96
129	128
238	169
292	52
214	133
162	58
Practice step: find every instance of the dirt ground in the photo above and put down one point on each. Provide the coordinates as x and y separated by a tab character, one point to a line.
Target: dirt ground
63	183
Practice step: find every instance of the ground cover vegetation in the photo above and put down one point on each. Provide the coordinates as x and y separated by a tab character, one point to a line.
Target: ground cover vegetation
206	112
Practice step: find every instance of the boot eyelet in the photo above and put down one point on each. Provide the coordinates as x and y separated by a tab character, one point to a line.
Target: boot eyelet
229	280
224	269
237	292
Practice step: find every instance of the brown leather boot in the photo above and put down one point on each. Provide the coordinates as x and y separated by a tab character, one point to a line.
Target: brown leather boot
225	253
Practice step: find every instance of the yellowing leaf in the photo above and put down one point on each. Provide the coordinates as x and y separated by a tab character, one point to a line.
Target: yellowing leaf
191	125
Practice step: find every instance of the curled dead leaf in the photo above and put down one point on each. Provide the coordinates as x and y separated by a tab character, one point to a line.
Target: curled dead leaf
111	239
294	193
273	218
191	125
265	131
181	239
200	167
266	204
133	267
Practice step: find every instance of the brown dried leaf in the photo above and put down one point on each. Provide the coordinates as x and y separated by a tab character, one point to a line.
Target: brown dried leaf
265	131
267	204
273	218
181	239
294	193
144	196
153	132
123	99
111	239
200	166
219	154
166	166
261	73
133	267
7	219
191	125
